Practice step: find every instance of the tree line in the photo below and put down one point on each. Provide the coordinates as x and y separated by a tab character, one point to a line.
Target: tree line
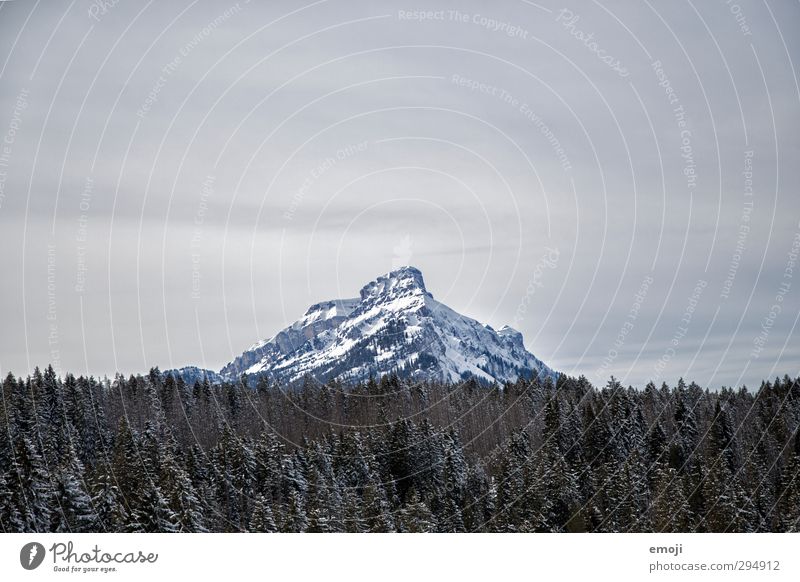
154	454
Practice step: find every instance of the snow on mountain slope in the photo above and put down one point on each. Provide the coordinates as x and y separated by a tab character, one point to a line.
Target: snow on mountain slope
192	374
394	326
318	319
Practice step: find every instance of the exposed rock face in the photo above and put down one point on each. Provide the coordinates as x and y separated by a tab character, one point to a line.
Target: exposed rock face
394	326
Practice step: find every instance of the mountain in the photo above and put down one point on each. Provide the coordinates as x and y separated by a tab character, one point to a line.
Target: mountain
395	325
192	374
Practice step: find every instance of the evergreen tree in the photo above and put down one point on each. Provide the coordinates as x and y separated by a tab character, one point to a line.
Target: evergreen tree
669	507
318	507
181	497
75	511
515	507
452	521
296	520
10	518
415	516
789	497
154	514
630	496
33	493
377	511
478	502
111	515
352	516
731	509
262	520
127	465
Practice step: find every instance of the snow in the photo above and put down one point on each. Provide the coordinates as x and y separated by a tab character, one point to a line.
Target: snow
325	311
391	325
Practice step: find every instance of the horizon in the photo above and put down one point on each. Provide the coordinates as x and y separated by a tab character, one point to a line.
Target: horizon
175	372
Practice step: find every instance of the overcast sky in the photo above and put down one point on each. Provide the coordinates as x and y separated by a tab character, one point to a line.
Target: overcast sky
618	181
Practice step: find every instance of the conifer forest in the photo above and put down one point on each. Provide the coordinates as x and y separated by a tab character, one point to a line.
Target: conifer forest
155	454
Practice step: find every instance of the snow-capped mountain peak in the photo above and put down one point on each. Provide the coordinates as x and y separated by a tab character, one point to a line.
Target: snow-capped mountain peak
395	325
403	281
